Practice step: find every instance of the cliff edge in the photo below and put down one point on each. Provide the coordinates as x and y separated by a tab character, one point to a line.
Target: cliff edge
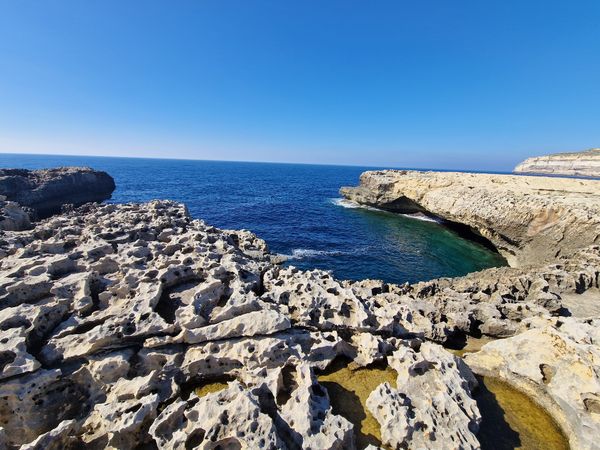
584	164
528	219
43	193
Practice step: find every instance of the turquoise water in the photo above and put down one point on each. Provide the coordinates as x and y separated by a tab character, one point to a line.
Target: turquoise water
297	210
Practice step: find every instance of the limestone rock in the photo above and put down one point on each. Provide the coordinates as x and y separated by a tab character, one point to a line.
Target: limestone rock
47	190
557	363
13	217
585	163
529	220
111	316
431	407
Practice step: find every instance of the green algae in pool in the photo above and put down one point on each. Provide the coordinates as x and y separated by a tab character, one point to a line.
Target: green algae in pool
210	388
349	388
511	420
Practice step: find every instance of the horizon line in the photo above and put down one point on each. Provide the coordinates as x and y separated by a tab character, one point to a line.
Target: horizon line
382	167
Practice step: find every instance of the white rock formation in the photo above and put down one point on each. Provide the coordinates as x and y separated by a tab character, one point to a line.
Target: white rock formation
558	365
585	164
111	315
431	406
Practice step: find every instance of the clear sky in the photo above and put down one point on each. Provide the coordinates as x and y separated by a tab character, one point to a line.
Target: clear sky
469	84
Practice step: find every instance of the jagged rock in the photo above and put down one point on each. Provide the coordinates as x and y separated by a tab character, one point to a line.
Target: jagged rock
585	163
60	438
12	216
558	364
431	407
47	190
529	220
309	415
110	316
37	403
232	418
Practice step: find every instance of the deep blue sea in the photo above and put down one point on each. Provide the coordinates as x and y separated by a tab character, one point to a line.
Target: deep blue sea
296	209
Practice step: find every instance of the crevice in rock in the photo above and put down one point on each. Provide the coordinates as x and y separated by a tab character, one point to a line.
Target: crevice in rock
167	305
291	438
289	384
6	357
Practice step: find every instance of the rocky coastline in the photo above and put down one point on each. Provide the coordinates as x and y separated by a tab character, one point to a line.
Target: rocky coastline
30	195
527	219
580	164
112	317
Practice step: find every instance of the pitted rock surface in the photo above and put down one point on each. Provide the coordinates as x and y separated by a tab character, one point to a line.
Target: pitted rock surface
111	315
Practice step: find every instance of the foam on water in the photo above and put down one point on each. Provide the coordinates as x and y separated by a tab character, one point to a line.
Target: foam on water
307	253
345	203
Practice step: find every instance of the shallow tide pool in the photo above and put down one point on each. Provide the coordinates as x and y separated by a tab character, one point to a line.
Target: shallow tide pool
511	420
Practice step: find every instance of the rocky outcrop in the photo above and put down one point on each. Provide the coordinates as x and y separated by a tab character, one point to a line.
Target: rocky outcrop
433	389
46	191
529	220
12	216
584	164
112	315
557	363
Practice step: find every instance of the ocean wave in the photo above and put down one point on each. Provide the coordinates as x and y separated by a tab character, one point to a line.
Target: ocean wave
345	203
422	217
307	253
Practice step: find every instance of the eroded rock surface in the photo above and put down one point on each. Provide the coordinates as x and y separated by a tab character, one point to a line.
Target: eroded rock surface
111	316
528	219
556	362
12	216
586	164
431	407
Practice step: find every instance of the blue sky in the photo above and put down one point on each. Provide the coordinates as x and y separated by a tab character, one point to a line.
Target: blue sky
434	83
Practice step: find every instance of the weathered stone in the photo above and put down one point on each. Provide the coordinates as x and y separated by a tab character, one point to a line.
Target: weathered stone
431	407
13	217
529	220
47	190
557	363
110	316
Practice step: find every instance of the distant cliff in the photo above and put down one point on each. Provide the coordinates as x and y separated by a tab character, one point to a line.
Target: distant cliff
586	163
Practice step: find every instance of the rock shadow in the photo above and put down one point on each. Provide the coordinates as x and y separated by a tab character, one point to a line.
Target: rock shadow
495	433
347	404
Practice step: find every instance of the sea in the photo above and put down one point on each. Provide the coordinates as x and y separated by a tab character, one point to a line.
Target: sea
296	209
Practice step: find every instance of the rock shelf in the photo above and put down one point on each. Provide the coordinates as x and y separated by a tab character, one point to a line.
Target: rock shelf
583	164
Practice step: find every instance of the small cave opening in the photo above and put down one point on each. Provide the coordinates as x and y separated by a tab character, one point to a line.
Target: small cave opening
404	205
